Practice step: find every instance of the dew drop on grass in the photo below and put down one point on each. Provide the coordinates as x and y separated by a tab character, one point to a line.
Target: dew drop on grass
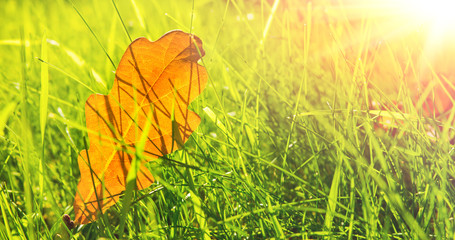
186	197
292	144
53	42
99	80
78	60
60	111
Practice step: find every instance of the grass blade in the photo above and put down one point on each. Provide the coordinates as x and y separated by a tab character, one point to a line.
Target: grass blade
4	115
43	109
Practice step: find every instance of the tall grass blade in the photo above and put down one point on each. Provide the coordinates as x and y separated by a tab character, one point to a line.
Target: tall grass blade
43	109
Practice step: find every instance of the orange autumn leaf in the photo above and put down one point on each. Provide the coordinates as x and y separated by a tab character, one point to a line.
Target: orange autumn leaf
154	84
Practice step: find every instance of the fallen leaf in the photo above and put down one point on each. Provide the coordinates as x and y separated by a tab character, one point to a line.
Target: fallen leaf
155	81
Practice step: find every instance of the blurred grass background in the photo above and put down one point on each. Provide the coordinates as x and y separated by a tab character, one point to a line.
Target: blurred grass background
287	147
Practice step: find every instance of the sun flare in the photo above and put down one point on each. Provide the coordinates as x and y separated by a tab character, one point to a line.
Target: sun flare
439	14
441	10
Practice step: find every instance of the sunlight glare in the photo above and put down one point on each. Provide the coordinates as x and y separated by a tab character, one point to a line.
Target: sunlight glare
439	13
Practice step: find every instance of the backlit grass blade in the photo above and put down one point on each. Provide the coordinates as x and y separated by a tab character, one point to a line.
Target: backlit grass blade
121	20
4	115
94	35
44	96
333	197
132	173
27	142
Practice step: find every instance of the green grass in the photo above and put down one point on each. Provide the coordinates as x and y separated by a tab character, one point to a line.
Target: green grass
287	147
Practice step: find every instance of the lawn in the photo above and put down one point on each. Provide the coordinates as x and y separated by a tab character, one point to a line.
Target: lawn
320	120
